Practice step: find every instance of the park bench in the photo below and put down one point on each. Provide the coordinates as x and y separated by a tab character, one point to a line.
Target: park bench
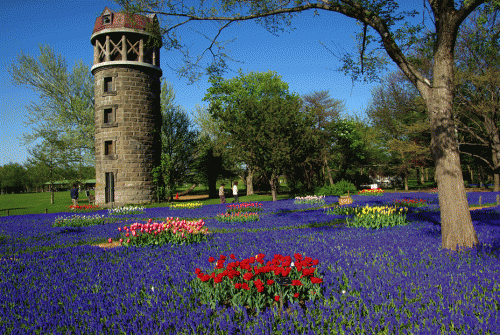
91	199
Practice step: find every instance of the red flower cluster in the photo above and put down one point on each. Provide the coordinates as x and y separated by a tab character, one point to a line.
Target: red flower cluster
83	208
279	265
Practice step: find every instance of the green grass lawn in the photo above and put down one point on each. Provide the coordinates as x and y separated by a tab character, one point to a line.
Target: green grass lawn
36	203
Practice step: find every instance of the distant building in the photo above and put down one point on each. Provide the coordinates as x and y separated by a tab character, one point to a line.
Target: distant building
127	107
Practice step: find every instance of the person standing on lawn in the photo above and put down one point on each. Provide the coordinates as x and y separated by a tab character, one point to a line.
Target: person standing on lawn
74	195
235	192
221	194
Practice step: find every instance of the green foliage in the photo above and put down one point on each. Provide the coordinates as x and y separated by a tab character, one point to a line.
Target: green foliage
338	189
178	144
237	217
342	210
64	117
12	177
3	238
81	220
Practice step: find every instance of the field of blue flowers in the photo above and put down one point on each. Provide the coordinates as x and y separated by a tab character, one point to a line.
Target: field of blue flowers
389	281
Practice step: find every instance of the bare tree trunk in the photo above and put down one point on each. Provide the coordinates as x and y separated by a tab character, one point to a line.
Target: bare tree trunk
456	223
406	181
427	174
471	174
492	130
273	188
329	172
250	182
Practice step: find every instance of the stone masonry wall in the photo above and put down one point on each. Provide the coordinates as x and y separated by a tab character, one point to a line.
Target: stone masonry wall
135	100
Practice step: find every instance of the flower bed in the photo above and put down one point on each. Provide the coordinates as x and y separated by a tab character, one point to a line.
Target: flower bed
238	217
188	205
126	210
386	281
79	221
259	286
244	207
373	191
157	234
84	208
310	199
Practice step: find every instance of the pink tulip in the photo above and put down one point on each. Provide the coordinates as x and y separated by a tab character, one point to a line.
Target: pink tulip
121	240
110	240
119	229
150	220
128	241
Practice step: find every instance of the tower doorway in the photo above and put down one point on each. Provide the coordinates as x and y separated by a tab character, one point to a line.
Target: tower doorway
109	189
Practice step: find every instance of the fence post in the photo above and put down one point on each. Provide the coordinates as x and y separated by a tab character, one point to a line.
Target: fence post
498	199
479	200
7	212
394	190
45	210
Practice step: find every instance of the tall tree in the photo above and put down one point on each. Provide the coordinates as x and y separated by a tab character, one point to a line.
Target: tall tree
66	104
222	146
400	114
382	17
178	143
262	119
324	110
12	179
477	99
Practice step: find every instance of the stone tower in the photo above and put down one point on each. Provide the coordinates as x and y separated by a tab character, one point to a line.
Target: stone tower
127	108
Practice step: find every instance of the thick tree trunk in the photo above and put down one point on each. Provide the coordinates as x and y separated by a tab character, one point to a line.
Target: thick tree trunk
250	182
427	174
406	182
456	223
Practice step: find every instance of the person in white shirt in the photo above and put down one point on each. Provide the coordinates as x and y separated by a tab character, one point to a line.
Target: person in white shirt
235	192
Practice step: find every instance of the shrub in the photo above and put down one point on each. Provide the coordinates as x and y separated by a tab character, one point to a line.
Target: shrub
378	217
340	188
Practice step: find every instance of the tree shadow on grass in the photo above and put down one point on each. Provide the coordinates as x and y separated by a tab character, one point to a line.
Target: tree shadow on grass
70	231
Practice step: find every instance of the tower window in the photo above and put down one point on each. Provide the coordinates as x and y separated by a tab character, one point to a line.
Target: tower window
108	148
108	84
106	19
109	116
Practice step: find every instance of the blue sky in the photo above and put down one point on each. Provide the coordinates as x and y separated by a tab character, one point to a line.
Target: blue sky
66	26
